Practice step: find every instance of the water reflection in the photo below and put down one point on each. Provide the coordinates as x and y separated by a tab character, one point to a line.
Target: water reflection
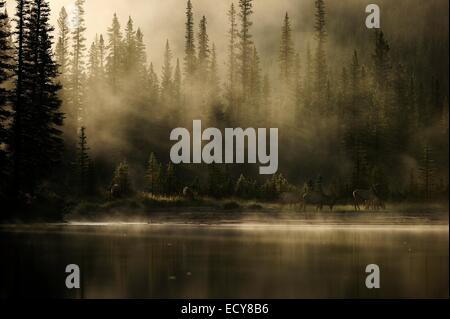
249	261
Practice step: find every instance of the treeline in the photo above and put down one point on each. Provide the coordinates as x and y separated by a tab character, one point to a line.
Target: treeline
376	121
166	180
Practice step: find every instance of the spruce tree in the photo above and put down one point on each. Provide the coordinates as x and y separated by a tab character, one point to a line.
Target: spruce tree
321	69
177	86
153	84
77	65
121	179
101	48
287	54
62	46
130	48
232	72
166	78
189	49
20	100
141	56
245	51
93	63
203	51
152	175
6	68
114	57
83	162
37	144
255	80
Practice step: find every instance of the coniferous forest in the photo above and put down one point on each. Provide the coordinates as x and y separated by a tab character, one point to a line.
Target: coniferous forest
88	119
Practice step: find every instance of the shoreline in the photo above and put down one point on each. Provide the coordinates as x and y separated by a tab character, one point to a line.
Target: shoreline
260	218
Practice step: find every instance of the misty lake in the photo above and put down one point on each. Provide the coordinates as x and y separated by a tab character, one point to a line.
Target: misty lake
224	261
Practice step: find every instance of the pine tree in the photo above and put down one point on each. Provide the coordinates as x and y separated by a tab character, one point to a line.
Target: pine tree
62	46
77	67
232	72
121	179
93	63
255	79
114	58
141	56
189	50
130	48
166	79
308	79
37	144
245	51
286	56
101	57
153	175
177	85
6	68
321	68
153	84
203	51
20	100
83	162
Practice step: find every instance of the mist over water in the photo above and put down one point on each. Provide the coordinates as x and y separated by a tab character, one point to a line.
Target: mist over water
168	261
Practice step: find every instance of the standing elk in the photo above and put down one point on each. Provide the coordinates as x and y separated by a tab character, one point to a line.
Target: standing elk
319	199
367	197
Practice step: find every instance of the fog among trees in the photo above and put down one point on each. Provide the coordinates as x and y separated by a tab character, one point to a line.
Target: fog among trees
87	103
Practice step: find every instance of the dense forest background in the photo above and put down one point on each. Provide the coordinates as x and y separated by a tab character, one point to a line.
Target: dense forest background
81	110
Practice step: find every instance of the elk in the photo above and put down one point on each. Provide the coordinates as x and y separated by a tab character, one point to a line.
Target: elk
319	199
367	197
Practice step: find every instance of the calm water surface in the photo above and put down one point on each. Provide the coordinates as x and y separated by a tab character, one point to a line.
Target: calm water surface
245	261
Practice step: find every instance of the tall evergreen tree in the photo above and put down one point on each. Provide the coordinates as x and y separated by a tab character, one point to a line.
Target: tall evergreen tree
245	52
6	68
77	67
19	106
37	144
232	73
203	50
141	55
177	86
321	67
286	56
62	46
114	58
166	78
153	84
255	78
83	162
130	48
101	47
153	175
93	62
121	179
189	49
